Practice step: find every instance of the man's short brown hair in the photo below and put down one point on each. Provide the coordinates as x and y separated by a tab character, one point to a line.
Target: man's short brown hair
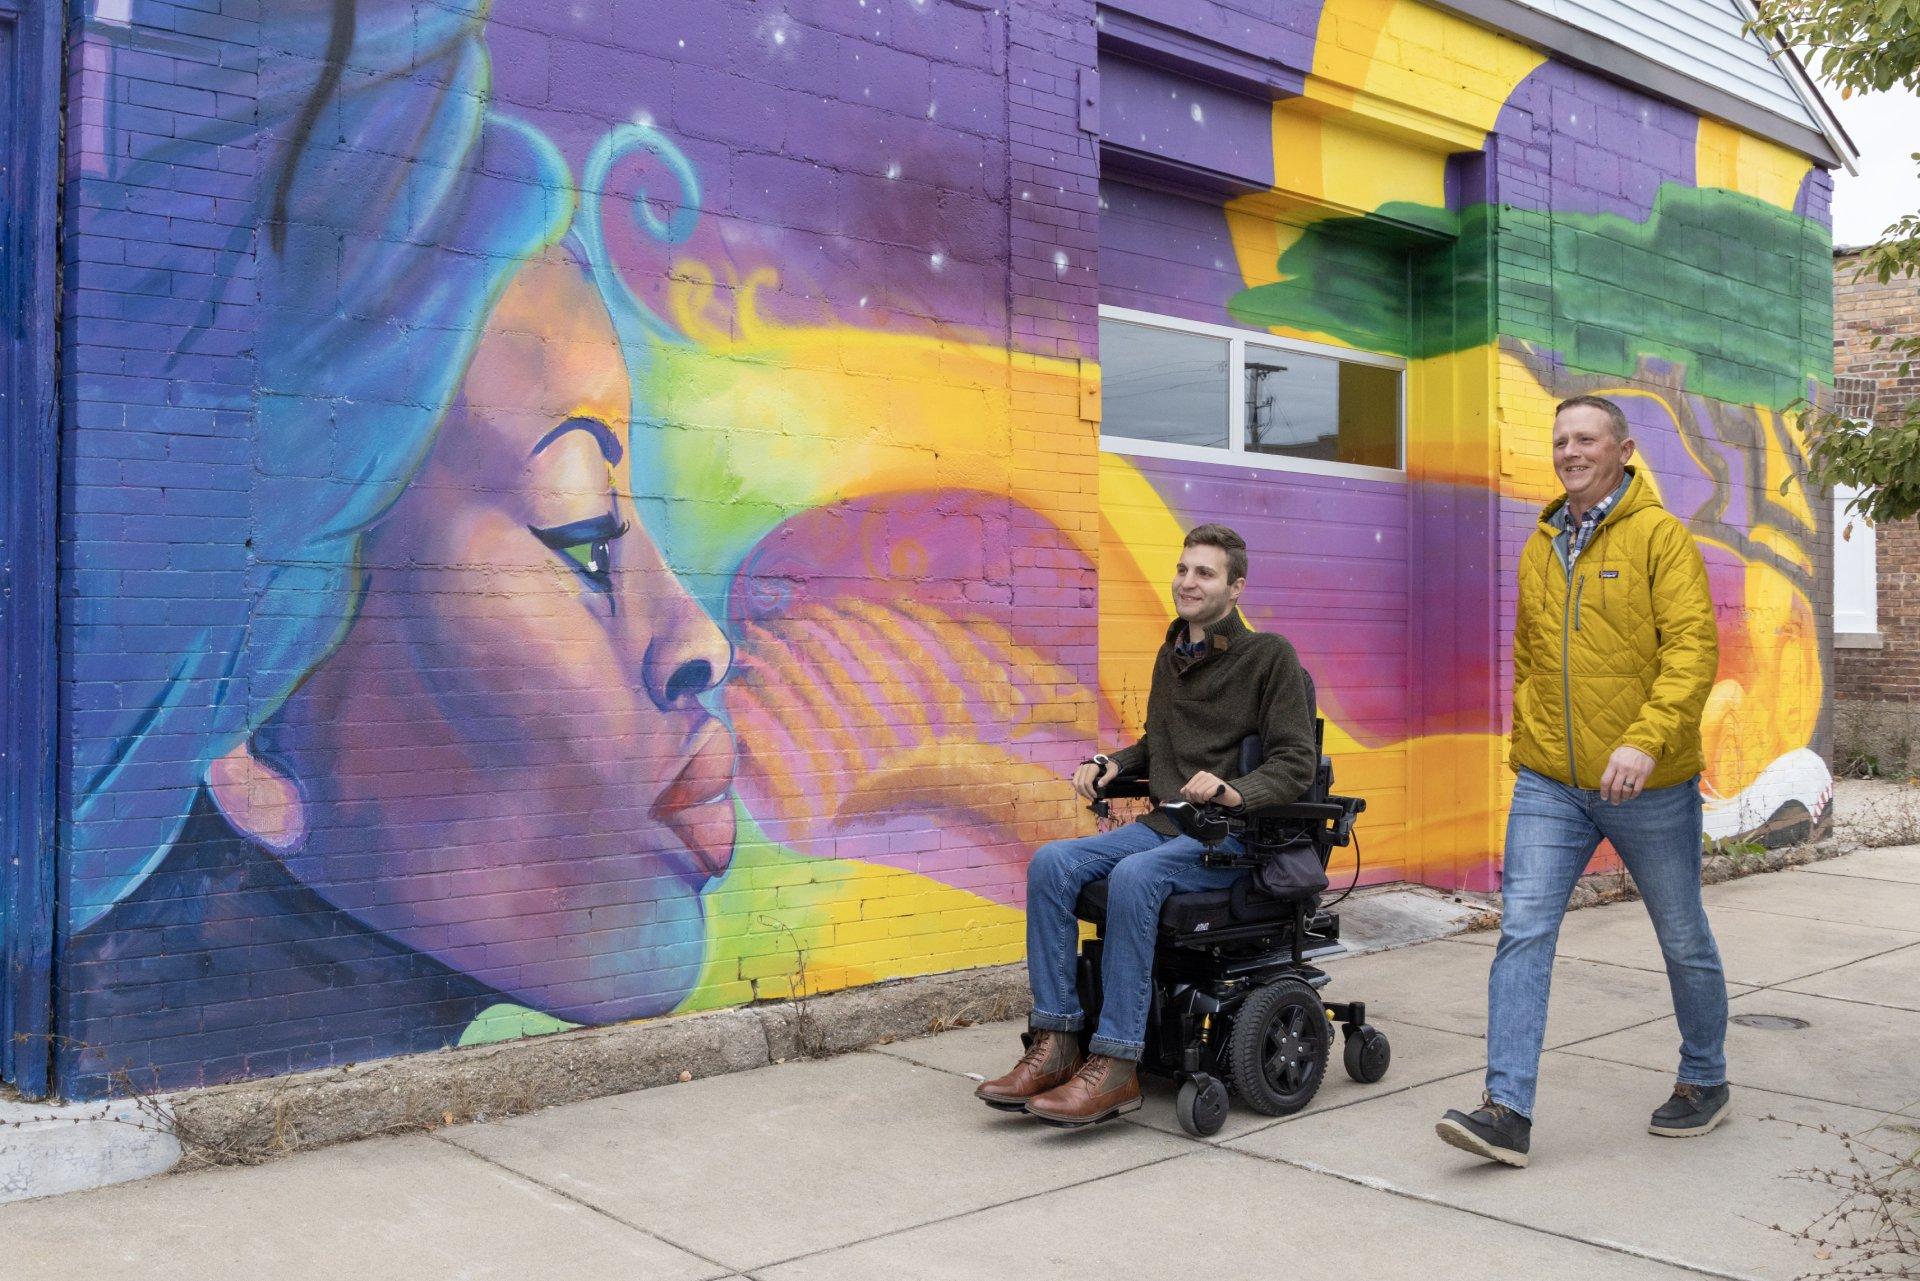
1227	541
1614	413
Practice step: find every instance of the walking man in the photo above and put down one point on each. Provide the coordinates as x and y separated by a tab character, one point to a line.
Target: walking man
1614	651
1215	681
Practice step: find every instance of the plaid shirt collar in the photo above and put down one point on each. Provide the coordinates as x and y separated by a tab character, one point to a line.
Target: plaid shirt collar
1582	533
1220	636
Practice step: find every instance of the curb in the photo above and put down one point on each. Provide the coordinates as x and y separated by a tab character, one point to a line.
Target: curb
50	1148
253	1121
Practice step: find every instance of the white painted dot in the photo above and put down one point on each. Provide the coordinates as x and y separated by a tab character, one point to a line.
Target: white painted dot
644	119
893	169
1059	262
1026	195
933	109
863	300
683	44
1199	116
938	260
779	36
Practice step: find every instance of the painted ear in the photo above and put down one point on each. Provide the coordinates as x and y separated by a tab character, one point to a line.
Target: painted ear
262	803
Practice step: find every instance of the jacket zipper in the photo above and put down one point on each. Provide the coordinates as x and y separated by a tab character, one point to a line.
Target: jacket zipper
1580	589
1566	681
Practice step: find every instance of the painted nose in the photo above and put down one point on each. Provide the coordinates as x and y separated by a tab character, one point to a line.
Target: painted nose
682	652
688	654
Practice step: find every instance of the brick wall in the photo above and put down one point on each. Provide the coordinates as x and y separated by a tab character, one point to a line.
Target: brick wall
497	439
1863	311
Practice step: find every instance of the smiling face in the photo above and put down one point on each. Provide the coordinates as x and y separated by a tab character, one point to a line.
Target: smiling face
1202	592
506	763
1588	456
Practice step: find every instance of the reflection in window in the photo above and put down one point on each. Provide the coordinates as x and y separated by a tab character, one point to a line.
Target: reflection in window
1302	406
1159	384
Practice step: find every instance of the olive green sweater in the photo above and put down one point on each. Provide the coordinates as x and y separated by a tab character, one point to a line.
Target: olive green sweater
1246	682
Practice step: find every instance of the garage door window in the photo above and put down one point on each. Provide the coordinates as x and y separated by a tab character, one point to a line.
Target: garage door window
1177	389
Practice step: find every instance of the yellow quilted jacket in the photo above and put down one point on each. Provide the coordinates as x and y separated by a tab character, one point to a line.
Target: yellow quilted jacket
1621	650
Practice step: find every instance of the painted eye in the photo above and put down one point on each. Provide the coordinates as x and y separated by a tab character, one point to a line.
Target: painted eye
587	547
592	559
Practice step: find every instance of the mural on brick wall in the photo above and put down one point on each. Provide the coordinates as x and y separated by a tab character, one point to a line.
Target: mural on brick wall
1645	254
501	435
561	670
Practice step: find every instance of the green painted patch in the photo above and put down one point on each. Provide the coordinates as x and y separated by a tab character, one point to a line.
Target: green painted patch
1715	281
509	1022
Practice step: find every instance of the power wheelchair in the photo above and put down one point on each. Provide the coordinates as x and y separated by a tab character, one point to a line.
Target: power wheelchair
1235	1007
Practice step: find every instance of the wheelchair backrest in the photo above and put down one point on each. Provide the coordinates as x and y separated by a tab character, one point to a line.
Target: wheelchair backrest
1253	751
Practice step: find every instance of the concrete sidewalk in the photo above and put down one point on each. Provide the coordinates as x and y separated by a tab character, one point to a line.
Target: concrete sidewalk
880	1164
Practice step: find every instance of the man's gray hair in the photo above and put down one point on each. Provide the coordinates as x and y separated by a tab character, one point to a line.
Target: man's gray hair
1614	413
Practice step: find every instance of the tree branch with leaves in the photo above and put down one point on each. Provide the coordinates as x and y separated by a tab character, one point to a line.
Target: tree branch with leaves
1864	46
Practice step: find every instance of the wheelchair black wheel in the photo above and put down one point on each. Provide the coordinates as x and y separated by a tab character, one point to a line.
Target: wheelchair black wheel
1279	1047
1201	1105
1367	1053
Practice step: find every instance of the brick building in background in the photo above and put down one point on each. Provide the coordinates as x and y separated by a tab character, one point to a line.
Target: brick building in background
1876	661
575	510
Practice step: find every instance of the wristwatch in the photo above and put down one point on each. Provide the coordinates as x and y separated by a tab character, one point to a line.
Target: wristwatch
1099	758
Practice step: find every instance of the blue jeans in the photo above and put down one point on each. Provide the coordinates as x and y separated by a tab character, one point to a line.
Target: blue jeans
1143	867
1551	833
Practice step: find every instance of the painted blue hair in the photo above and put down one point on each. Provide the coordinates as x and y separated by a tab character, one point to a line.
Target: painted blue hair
393	208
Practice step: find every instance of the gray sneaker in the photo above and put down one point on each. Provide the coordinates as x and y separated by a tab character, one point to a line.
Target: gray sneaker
1492	1130
1693	1110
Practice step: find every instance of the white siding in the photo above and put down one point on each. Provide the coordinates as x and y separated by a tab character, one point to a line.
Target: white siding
1698	38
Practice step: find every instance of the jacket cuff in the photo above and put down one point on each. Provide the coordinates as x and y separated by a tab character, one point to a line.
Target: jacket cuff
1257	792
1646	741
1129	759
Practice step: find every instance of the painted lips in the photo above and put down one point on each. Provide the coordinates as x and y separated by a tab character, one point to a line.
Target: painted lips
697	806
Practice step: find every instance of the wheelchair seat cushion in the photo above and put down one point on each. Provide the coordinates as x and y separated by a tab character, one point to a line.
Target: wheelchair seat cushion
1197	911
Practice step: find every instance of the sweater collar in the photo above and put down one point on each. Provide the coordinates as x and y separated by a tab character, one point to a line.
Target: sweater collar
1221	635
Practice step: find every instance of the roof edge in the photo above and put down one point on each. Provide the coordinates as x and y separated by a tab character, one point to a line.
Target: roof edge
1828	146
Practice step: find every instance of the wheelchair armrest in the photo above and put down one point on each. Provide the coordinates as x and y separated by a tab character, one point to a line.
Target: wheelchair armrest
1339	811
1123	786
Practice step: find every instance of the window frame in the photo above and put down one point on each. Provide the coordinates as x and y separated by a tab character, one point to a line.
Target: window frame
1236	453
1856	572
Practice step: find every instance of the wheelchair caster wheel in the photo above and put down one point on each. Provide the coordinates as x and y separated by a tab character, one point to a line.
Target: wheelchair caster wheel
1201	1105
1367	1054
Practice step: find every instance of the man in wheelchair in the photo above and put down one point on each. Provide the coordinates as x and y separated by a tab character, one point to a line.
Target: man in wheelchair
1216	683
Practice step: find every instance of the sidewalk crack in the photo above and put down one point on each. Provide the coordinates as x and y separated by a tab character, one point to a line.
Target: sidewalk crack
725	1270
967	1214
1408	1194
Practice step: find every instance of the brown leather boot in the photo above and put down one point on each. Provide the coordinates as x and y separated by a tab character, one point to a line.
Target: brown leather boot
1051	1058
1102	1089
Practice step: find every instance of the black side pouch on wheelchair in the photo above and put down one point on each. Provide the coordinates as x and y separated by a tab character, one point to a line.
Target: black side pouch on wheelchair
1292	871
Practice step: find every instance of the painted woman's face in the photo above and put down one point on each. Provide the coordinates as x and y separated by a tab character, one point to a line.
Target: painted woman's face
506	764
